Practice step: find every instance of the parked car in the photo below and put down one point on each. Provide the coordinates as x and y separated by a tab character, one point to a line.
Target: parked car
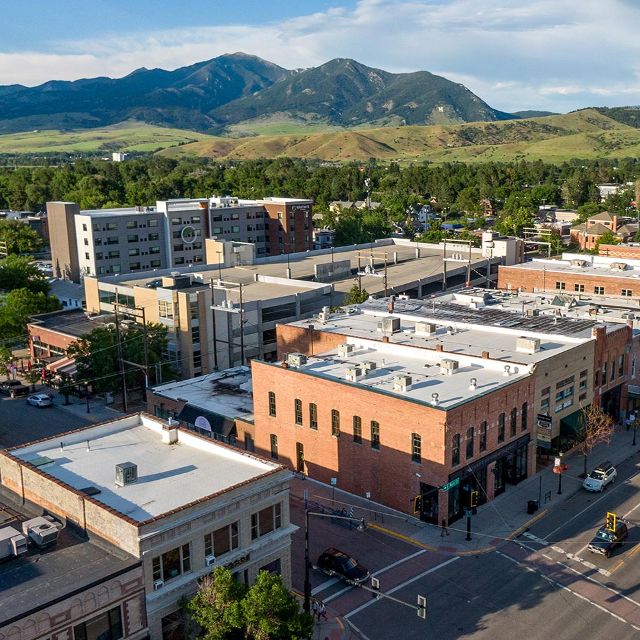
606	541
19	391
7	385
40	400
600	477
335	562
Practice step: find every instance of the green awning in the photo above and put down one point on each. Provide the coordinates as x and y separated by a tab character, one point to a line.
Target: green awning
571	425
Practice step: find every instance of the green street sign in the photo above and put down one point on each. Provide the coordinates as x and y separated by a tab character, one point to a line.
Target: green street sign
450	485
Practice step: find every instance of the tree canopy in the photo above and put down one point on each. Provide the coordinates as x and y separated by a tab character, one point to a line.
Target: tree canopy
19	237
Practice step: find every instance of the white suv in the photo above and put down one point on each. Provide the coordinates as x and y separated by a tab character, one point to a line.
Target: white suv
600	477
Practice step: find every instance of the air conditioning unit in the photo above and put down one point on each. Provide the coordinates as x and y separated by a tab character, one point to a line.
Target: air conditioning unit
353	373
296	359
447	367
158	584
42	531
425	329
126	473
402	383
527	345
367	367
618	266
389	325
209	560
345	350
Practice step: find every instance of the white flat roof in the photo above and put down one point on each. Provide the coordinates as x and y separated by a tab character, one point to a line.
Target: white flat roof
424	367
227	393
169	476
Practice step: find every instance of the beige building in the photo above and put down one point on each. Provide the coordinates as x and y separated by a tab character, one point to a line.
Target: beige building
180	503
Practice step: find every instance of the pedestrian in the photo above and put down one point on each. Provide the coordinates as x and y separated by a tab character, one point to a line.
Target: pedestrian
314	609
444	529
322	611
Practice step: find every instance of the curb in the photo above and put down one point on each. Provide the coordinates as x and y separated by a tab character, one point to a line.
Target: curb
527	524
400	536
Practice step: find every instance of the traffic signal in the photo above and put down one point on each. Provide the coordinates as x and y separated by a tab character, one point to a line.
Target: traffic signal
422	607
375	585
610	521
473	500
417	504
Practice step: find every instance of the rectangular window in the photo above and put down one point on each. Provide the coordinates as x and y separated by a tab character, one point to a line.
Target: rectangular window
416	447
613	370
335	422
112	226
132	224
266	521
272	404
152	223
561	286
195	335
221	541
112	240
172	564
565	382
501	419
134	266
455	450
544	405
626	292
546	391
113	254
598	290
621	366
375	434
513	422
297	408
469	451
579	288
165	309
524	418
357	429
604	372
483	436
86	242
86	256
134	252
274	446
194	309
313	415
153	236
154	264
106	626
132	237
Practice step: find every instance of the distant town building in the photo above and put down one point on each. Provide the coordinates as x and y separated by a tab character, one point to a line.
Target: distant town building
588	234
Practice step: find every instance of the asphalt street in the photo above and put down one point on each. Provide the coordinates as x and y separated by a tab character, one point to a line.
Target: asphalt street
20	422
543	584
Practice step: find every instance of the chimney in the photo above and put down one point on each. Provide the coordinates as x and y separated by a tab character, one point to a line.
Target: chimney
485	355
385	339
439	347
391	304
170	433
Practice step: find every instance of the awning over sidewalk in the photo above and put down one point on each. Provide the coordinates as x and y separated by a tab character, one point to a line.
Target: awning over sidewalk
66	366
633	391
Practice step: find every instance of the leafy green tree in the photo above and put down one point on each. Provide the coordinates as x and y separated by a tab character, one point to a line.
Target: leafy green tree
217	608
19	237
608	237
6	357
512	223
271	612
356	295
20	272
18	306
96	355
588	210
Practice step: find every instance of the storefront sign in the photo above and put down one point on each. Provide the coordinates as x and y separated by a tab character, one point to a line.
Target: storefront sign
543	435
238	561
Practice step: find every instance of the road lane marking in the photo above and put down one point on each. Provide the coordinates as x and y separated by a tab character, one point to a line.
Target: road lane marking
602	497
337	594
402	585
576	558
395	564
535	538
357	630
626	515
565	588
324	585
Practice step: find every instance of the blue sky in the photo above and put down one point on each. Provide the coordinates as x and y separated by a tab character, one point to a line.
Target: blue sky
515	54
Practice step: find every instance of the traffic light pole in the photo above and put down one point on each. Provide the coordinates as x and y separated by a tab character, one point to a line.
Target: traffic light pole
468	538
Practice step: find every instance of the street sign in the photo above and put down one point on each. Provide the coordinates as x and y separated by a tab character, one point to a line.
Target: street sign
334	482
543	417
451	484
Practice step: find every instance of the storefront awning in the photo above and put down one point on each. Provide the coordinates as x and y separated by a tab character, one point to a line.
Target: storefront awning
207	420
634	391
63	366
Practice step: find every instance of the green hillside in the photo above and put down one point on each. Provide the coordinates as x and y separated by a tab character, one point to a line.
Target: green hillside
126	136
581	134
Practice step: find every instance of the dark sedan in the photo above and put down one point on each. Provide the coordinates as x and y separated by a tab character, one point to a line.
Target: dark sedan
337	563
606	541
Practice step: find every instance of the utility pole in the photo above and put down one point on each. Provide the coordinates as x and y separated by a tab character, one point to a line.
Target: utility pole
119	349
213	318
242	327
444	265
385	275
146	349
469	267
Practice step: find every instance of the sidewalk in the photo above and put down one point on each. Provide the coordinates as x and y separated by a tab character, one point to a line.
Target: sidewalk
503	518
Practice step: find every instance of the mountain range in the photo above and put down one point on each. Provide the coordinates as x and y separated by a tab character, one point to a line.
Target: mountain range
213	95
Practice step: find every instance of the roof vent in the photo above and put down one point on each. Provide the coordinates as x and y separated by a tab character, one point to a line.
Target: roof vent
578	263
345	350
126	473
425	329
618	266
527	345
402	383
389	325
507	371
447	367
296	360
434	399
473	384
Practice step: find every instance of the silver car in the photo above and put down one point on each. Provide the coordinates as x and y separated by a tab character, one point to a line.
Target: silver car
40	400
600	477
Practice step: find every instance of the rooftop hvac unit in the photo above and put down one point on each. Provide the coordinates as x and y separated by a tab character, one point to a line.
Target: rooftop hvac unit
12	543
528	345
402	383
209	560
367	367
532	313
158	584
389	325
353	373
448	366
426	329
345	350
126	473
296	359
618	266
42	531
578	263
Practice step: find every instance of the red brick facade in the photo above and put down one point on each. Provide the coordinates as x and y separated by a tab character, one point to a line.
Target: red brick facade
289	227
388	474
619	251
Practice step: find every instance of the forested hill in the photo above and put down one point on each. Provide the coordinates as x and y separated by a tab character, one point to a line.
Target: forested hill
232	88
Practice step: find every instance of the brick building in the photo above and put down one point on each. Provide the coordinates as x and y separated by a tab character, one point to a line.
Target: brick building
178	503
588	234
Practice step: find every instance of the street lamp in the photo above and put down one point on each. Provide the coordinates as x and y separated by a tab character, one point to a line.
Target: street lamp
559	467
307	561
86	395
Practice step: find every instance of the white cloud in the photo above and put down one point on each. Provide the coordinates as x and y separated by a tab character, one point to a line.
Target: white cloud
515	54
